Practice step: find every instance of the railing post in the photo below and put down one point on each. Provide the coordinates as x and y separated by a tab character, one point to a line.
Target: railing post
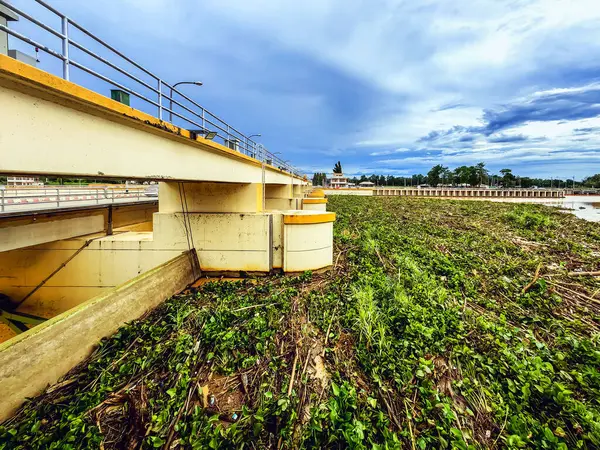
2	200
65	47
58	198
160	107
97	196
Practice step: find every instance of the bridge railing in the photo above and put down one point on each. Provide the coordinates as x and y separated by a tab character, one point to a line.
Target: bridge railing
161	99
21	199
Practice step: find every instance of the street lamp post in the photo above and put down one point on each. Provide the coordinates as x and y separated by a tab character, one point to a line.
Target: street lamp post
253	146
196	83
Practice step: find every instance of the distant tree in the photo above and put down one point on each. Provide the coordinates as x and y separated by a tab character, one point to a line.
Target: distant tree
593	181
319	179
507	177
434	176
527	182
481	173
463	174
337	168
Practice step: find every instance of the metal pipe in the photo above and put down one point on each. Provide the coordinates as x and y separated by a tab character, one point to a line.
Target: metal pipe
114	50
160	109
31	19
197	83
50	8
108	80
114	66
31	41
65	47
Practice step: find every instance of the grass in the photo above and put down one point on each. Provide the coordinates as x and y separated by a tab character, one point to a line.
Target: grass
444	324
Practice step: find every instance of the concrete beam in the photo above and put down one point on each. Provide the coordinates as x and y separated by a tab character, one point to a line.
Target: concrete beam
210	197
41	227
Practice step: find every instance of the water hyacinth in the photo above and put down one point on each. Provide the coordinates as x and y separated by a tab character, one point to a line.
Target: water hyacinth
443	324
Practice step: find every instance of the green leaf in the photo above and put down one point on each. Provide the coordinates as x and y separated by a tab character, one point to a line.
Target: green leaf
336	389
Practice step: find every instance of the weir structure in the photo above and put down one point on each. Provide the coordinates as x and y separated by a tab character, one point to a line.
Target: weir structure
225	206
472	192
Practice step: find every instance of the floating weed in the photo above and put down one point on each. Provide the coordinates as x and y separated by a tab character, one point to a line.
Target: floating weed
444	324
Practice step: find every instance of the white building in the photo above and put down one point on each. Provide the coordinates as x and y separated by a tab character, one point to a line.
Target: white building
338	180
23	181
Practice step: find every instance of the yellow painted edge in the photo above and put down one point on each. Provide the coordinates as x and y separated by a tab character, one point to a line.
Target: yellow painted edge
23	73
314	201
308	219
317	193
259	197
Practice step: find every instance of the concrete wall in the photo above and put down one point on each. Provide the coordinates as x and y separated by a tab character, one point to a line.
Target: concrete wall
252	242
224	242
40	356
104	264
12	238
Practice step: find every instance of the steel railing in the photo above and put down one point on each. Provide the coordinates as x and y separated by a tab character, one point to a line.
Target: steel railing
190	111
14	199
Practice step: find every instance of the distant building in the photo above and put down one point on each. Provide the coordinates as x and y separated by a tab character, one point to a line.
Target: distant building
366	184
23	181
338	180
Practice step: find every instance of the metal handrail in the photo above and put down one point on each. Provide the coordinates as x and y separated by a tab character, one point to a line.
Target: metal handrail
20	197
208	122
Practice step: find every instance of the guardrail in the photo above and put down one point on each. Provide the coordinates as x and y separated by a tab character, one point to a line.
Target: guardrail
189	111
57	197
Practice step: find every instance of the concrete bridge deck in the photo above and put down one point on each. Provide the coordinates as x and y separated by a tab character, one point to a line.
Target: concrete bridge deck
238	214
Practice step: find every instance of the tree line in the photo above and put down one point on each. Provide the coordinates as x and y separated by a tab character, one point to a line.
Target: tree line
476	175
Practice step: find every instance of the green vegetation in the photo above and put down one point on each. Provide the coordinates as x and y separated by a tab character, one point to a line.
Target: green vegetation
319	179
443	324
593	181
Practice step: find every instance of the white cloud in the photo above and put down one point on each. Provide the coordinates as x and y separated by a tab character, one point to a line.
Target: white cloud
413	57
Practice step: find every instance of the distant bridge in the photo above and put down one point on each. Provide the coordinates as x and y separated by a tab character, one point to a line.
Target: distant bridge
472	192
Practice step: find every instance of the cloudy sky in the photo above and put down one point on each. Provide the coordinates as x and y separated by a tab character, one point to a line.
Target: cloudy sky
385	86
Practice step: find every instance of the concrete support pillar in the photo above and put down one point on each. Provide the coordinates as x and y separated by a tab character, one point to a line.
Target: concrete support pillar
210	197
282	197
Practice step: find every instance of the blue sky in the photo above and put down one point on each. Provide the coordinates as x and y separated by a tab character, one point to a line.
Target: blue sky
385	86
